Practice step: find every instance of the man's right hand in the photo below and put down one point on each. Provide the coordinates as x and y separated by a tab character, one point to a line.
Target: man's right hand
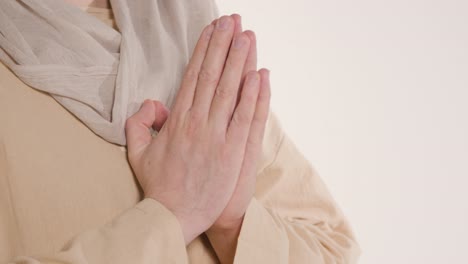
193	164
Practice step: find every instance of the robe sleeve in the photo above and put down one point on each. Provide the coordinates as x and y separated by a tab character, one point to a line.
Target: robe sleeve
292	218
146	233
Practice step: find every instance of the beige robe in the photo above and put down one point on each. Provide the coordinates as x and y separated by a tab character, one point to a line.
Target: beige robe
68	196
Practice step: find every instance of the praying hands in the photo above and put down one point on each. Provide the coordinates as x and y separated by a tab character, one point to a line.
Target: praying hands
220	181
202	163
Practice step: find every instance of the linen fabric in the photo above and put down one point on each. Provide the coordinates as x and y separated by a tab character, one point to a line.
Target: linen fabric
69	196
99	74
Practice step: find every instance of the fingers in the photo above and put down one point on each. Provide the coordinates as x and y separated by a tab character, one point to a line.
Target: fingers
257	127
211	80
253	148
212	66
251	63
227	90
151	114
239	126
238	23
186	93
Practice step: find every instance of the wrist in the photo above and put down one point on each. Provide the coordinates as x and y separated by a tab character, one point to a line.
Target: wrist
189	227
224	240
227	226
226	231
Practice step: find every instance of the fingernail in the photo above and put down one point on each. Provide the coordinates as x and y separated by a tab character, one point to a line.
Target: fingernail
239	41
222	23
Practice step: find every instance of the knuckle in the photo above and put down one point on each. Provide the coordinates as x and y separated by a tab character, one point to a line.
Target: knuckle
219	43
253	141
191	74
196	115
240	118
230	63
169	126
129	123
209	76
250	99
224	93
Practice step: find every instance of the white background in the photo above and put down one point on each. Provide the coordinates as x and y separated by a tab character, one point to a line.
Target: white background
375	94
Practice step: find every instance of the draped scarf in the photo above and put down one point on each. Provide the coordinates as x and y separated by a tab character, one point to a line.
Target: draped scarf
99	74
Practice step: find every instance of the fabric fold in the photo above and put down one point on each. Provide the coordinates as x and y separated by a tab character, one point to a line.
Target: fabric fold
99	74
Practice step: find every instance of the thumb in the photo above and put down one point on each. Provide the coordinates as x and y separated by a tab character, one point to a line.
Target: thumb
161	115
137	127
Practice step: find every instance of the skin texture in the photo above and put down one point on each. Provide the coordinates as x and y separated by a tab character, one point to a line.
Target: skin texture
206	155
202	164
225	231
